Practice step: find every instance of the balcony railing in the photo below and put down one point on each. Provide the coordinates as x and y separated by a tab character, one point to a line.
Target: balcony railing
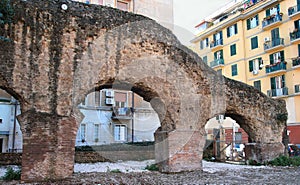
293	10
296	61
276	67
122	113
297	88
217	62
278	92
271	19
294	35
273	43
216	43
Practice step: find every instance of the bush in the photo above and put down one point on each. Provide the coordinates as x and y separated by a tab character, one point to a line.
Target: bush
152	167
253	163
115	171
11	174
285	161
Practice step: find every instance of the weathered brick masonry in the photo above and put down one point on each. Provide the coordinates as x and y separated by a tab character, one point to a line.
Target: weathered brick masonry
55	57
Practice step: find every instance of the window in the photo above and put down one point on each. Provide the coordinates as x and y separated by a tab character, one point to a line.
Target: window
277	57
204	59
257	85
218	38
233	50
123	5
254	43
218	55
234	71
120	133
121	99
204	43
1	121
83	132
273	11
219	71
275	34
255	65
96	132
278	82
232	30
252	22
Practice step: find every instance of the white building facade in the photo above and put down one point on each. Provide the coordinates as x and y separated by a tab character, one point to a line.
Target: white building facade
116	116
10	132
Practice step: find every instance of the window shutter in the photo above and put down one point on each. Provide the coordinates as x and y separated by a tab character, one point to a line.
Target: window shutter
271	59
283	80
298	49
257	20
250	65
228	31
248	24
260	63
273	83
267	12
282	56
235	29
221	54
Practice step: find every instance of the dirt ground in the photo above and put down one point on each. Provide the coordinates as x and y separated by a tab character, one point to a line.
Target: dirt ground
213	173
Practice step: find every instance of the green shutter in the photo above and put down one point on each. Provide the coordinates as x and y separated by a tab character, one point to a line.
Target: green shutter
228	31
273	83
257	20
235	29
267	12
250	65
282	56
232	50
221	54
271	59
283	80
260	63
248	24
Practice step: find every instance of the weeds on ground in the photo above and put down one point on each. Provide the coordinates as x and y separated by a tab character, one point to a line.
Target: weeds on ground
115	171
11	174
285	161
152	167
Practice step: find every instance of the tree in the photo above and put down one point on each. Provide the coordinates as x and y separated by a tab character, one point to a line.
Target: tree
6	14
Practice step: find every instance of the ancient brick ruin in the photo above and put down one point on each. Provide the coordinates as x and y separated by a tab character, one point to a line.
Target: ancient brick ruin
55	57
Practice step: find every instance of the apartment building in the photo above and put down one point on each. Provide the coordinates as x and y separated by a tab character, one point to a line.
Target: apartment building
257	42
10	132
159	10
116	116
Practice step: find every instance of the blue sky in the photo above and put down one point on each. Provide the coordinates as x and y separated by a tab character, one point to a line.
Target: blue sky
188	13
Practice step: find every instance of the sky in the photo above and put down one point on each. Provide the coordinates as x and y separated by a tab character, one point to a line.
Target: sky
189	13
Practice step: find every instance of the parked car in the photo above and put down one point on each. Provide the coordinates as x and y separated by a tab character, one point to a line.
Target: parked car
293	150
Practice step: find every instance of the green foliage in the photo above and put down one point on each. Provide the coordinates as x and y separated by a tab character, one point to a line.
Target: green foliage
6	12
285	161
11	174
115	171
152	167
253	163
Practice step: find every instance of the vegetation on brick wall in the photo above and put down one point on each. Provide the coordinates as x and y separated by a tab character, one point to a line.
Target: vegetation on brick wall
12	174
6	14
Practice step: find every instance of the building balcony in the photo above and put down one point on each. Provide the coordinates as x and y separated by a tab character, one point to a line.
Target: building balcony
217	63
122	113
276	68
274	44
271	21
297	89
278	92
294	11
216	45
295	36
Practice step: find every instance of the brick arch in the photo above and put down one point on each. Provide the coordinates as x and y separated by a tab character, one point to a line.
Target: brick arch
58	55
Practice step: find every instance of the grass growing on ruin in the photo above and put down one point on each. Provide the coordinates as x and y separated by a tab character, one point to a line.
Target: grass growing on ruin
285	161
12	174
152	167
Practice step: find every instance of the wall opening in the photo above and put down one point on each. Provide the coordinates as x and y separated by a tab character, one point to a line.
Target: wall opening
225	140
117	125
